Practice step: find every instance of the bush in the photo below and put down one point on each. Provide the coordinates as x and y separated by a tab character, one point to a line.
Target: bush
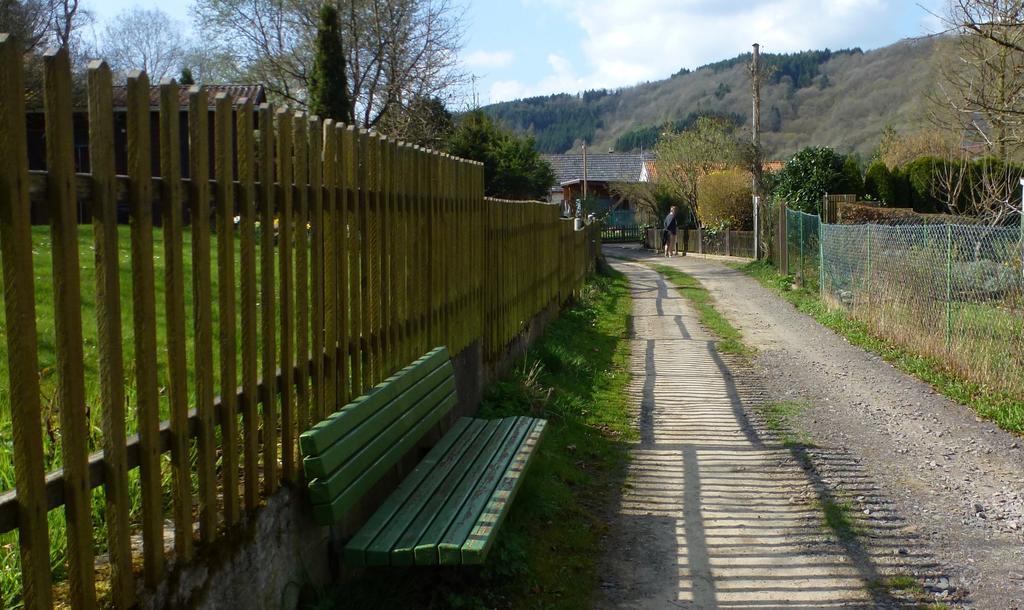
857	214
724	200
990	278
876	182
853	181
886	185
513	169
921	175
808	176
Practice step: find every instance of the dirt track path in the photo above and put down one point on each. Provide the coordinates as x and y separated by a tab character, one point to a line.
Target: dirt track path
946	486
711	515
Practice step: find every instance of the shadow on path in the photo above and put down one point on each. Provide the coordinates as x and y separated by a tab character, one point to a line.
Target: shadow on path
713	514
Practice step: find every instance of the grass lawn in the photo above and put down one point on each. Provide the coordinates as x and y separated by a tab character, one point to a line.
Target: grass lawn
10	584
548	550
1003	408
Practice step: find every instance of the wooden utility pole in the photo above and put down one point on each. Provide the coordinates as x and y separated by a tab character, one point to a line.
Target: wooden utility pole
758	163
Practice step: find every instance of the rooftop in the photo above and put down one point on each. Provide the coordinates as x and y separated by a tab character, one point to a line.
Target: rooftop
601	167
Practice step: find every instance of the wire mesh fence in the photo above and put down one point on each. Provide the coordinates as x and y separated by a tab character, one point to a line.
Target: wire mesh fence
953	292
803	247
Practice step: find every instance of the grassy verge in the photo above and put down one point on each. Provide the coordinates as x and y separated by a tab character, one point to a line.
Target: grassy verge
731	340
1002	408
548	550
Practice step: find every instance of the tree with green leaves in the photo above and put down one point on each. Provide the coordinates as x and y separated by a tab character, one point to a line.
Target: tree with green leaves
328	81
808	176
513	169
683	157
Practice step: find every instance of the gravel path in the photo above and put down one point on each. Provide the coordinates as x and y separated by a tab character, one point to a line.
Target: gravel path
712	514
946	486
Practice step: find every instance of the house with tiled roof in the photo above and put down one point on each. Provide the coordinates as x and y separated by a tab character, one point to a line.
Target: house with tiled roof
35	123
595	177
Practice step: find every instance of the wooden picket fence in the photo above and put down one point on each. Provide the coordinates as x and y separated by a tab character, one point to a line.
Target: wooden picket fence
350	255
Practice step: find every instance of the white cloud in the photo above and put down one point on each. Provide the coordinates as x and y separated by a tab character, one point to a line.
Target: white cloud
563	78
624	43
488	59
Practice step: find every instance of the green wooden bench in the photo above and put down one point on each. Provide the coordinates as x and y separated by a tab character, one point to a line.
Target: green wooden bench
448	509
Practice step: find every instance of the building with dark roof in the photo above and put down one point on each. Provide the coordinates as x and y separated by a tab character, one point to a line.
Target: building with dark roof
35	122
601	172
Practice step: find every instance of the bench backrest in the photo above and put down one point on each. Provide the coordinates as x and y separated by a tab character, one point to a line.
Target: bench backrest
344	455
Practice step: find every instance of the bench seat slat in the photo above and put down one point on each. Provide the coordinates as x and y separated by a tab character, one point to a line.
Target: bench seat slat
336	509
374	541
327	432
360	435
481	538
425	551
402	551
449	546
324	490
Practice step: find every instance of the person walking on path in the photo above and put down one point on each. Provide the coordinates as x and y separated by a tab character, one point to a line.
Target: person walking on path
668	237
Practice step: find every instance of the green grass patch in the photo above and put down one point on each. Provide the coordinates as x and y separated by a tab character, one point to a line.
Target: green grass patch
779	418
908	590
838	517
547	552
904	582
1004	409
730	339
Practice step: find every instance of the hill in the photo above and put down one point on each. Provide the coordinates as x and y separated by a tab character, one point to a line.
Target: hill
843	99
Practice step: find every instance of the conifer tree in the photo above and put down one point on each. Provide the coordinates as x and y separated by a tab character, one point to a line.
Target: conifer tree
328	82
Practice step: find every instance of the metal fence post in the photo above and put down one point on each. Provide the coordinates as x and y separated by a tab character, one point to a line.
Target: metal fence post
801	219
782	241
868	277
949	286
821	257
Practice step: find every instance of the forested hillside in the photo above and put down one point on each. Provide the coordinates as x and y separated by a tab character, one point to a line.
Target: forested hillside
843	99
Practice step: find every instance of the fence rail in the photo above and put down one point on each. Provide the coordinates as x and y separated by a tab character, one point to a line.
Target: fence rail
627	234
720	243
321	259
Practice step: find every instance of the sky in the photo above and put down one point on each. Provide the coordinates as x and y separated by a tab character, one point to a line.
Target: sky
520	48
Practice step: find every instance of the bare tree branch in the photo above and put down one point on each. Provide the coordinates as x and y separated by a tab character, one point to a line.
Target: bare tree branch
397	51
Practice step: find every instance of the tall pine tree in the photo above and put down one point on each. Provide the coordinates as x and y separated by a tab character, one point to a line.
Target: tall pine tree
328	82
